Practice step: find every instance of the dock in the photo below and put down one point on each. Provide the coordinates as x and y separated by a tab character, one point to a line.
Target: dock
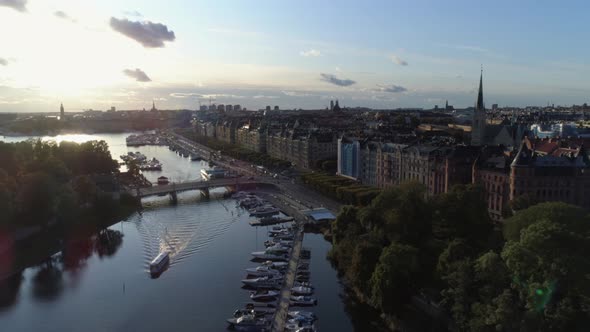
280	317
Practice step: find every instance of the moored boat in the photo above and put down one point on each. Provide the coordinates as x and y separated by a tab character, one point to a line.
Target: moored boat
163	180
303	301
264	295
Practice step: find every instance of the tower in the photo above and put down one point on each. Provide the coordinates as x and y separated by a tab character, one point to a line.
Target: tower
154	106
62	115
478	125
331	105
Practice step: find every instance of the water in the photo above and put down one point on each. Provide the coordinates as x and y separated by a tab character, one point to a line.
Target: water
100	282
175	167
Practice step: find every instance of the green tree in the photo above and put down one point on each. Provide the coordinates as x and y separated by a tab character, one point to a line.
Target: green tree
36	198
392	281
364	259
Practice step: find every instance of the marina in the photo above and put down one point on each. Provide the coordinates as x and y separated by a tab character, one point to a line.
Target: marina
209	242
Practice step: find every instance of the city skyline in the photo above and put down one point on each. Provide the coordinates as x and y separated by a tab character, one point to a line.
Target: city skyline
403	54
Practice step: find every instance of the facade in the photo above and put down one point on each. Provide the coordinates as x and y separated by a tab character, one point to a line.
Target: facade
302	148
491	170
563	176
368	172
389	164
348	154
251	138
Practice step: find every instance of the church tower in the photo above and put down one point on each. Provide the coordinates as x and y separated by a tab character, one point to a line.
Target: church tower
478	125
62	115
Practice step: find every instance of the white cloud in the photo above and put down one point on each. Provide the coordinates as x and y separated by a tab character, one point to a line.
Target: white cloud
398	60
310	53
392	88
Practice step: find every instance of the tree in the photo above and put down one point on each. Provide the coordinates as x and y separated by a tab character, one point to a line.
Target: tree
554	211
364	259
86	190
36	198
392	281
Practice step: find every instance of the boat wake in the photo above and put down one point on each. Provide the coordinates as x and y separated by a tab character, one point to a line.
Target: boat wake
183	230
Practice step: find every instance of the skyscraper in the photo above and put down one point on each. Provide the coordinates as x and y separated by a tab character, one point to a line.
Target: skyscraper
478	125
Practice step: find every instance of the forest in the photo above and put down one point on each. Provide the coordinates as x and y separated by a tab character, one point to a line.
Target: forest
531	274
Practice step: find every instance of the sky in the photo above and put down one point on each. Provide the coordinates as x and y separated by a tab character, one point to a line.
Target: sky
294	54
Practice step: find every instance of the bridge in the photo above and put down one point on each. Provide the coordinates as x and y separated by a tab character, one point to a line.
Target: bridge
174	188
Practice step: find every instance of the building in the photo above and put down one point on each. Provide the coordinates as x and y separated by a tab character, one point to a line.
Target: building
228	108
368	171
562	175
62	114
221	108
348	154
491	170
251	137
154	109
237	108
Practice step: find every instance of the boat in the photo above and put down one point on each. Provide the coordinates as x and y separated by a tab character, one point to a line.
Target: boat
261	271
284	243
303	284
308	314
264	295
159	264
266	282
264	211
196	157
213	173
270	255
300	290
163	180
251	322
303	301
257	313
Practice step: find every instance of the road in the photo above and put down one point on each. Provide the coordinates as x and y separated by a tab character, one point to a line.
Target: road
292	190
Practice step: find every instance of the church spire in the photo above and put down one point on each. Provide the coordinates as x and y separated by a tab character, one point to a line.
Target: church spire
479	105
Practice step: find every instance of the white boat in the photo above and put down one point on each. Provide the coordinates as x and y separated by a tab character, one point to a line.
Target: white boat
264	211
250	322
277	247
300	290
303	284
267	282
261	271
303	301
272	242
270	255
159	263
264	295
163	180
307	314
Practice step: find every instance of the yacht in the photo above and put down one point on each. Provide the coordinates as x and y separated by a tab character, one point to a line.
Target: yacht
271	255
303	301
264	211
300	290
267	282
307	314
261	271
264	295
250	322
159	264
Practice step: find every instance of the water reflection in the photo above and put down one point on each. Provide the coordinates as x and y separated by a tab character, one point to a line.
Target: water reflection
48	277
48	280
9	289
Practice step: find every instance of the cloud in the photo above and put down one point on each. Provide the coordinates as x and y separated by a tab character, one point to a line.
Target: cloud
392	88
311	52
265	97
335	80
148	34
133	13
64	16
186	95
3	62
297	94
137	74
20	5
398	60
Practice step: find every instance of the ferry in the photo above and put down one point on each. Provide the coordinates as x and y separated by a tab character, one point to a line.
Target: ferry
159	264
214	173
